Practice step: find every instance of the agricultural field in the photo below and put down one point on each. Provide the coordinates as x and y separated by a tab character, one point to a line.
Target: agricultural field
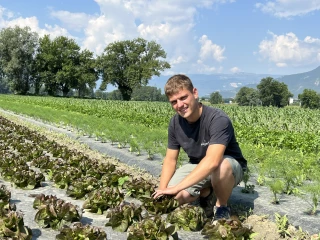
281	146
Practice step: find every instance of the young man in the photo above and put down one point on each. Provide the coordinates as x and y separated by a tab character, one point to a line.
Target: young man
206	134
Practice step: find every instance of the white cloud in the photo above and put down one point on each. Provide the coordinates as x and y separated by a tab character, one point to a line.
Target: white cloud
289	8
288	50
8	19
209	50
101	32
6	13
235	70
309	39
171	24
281	64
179	59
75	21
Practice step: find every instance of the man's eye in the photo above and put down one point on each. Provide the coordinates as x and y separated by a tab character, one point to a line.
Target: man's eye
184	98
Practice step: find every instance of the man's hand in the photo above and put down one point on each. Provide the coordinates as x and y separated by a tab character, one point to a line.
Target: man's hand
167	191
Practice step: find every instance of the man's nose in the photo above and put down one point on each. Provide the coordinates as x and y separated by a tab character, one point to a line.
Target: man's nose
180	103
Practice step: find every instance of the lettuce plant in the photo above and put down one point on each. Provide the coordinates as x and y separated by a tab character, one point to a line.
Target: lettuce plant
9	171
5	195
12	227
139	188
42	199
121	217
5	206
28	179
80	187
96	169
152	228
41	162
64	175
227	229
81	232
34	153
112	179
54	212
164	204
187	217
102	199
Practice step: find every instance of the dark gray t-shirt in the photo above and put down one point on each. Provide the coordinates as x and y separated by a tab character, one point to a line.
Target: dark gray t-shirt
213	127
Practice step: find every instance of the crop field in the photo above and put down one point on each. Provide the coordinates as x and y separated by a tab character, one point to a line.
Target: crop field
281	146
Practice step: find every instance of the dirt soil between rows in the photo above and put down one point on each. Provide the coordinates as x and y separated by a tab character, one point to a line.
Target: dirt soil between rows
262	210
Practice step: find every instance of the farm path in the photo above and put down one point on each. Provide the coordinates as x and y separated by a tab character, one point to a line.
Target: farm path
259	201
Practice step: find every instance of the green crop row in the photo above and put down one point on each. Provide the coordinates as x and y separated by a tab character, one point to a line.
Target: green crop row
289	128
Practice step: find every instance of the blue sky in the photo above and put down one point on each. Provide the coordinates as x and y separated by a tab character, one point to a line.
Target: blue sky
199	36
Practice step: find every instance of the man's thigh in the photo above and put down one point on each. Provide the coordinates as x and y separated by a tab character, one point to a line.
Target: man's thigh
184	171
236	169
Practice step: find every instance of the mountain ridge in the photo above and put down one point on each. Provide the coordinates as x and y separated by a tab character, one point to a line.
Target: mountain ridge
229	84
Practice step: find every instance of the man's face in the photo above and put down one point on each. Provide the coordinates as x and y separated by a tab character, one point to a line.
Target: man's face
185	104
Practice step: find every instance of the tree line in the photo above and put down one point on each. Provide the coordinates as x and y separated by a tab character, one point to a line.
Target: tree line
29	64
270	92
59	67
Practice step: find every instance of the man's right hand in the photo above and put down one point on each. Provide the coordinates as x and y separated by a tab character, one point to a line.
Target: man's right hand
173	190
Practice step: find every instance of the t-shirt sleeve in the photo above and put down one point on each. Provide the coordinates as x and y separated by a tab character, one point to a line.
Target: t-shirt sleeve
172	140
221	131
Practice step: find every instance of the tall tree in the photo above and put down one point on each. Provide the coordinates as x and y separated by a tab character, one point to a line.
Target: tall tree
215	98
309	99
17	48
3	86
273	93
247	97
62	67
87	74
131	63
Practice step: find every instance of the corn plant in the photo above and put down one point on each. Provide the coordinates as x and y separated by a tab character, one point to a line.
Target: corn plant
282	224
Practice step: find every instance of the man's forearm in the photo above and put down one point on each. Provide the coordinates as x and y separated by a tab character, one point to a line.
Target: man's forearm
168	169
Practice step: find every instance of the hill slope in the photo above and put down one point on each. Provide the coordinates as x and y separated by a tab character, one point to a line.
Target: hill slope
298	82
229	84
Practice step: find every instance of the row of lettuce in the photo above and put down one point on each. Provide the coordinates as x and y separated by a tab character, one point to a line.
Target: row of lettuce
28	159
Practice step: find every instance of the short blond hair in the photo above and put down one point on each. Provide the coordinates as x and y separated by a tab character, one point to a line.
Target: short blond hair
176	83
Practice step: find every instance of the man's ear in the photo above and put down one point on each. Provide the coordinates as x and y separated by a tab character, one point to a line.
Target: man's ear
195	93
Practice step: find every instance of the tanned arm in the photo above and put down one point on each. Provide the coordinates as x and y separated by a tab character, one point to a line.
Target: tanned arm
168	167
207	165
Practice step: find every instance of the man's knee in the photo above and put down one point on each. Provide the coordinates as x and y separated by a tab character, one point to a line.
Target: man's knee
185	197
224	170
229	170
